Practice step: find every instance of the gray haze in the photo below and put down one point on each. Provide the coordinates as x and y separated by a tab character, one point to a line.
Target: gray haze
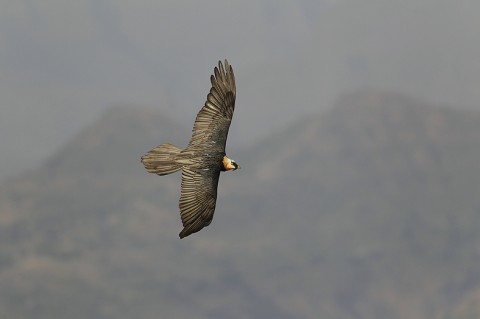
358	131
63	63
369	210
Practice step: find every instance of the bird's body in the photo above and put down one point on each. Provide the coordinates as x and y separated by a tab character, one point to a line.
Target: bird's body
204	158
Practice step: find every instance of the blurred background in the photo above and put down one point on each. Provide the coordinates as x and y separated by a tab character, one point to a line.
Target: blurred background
357	128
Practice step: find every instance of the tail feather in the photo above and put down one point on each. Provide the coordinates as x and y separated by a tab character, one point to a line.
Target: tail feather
161	160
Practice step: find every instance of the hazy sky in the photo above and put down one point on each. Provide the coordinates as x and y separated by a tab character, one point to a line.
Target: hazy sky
62	63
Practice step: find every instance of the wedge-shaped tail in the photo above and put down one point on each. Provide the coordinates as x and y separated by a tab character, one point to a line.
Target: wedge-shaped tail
162	160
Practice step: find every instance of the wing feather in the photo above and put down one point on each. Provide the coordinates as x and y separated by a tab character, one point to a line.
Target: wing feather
213	121
198	199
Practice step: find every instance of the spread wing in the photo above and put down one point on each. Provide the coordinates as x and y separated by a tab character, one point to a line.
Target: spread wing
213	120
198	199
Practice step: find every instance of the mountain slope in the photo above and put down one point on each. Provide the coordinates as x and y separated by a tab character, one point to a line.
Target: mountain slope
386	187
366	211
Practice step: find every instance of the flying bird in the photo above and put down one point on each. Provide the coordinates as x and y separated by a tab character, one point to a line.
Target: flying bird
204	158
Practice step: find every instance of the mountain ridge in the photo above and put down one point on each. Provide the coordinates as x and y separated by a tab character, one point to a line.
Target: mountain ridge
368	210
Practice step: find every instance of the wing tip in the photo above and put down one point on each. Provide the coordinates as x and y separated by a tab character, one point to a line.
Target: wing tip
225	67
223	75
188	230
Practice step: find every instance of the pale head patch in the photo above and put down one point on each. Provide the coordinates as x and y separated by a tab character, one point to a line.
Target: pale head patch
229	164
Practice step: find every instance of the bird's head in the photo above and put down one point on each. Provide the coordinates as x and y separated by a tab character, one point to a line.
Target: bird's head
229	164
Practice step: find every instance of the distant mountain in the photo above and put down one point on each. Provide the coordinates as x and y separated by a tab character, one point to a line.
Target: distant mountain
369	210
